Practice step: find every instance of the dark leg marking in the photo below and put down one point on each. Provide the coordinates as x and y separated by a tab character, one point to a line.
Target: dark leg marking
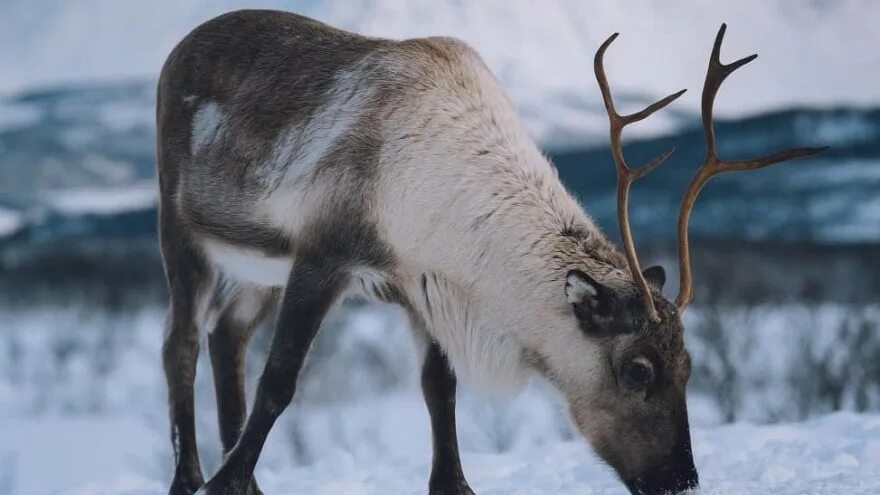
425	293
187	276
228	345
311	290
438	387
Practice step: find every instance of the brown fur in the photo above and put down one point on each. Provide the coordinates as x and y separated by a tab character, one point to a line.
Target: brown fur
332	161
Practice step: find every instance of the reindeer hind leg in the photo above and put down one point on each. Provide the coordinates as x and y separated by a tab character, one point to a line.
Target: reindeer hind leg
240	309
189	282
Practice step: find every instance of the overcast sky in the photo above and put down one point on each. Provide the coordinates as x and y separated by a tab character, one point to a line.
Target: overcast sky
813	52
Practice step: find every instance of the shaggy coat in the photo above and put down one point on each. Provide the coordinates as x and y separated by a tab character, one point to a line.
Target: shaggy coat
298	159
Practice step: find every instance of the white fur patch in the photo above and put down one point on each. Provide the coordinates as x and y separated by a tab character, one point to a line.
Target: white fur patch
248	265
248	304
285	207
299	150
487	356
243	302
207	126
578	289
366	283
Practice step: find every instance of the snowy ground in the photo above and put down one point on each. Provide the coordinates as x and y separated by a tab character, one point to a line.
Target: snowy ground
82	412
82	398
835	454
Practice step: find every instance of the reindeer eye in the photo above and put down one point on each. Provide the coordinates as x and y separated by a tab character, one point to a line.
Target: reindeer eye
639	373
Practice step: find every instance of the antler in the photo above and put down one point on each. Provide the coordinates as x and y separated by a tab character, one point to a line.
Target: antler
713	165
625	175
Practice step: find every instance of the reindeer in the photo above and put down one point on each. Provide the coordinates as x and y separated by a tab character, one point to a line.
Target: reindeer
299	163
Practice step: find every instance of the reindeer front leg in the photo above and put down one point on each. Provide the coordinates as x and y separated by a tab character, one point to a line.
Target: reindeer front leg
438	387
312	288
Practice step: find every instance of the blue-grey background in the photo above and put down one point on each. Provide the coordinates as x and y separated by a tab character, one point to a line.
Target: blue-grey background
787	264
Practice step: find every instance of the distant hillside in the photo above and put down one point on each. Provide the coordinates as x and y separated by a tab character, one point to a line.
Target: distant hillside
78	162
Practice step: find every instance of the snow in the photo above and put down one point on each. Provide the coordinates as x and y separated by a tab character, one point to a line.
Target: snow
10	221
13	116
96	200
862	226
82	392
125	115
835	454
95	449
541	51
82	397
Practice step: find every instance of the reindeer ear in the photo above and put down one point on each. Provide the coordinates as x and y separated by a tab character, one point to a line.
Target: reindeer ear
655	275
588	297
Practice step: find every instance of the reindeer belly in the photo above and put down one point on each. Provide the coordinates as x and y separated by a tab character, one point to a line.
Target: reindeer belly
248	265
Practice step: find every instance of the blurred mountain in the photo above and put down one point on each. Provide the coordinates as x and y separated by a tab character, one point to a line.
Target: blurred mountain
834	197
77	158
75	136
78	161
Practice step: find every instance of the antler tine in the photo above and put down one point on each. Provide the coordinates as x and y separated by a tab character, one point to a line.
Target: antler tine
715	76
771	159
625	175
650	166
642	115
599	69
713	165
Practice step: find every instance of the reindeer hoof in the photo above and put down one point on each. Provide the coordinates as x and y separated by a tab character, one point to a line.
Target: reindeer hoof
221	487
183	487
451	487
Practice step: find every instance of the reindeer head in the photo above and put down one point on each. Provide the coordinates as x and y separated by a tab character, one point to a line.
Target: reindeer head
633	408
